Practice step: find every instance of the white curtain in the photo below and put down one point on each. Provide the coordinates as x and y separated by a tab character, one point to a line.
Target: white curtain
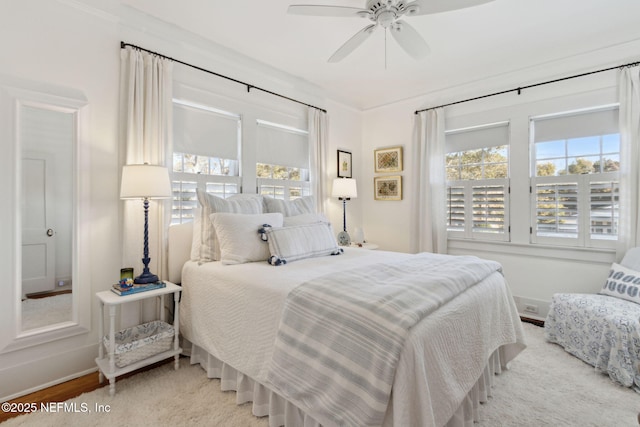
146	106
629	209
429	197
318	140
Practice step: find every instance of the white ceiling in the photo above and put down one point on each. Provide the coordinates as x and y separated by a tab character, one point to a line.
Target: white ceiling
466	45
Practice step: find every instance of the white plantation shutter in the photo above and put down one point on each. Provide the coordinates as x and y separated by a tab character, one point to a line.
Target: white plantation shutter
604	209
478	208
579	205
556	207
455	208
489	206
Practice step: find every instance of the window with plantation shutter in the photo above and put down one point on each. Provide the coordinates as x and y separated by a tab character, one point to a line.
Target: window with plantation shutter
477	165
575	183
282	167
205	155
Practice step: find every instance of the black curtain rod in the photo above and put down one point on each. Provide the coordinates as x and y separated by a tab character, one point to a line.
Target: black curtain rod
248	85
519	89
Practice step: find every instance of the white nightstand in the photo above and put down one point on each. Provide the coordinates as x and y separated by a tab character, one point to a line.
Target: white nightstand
106	363
365	246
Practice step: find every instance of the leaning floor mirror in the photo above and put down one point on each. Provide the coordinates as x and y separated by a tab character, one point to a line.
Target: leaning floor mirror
43	172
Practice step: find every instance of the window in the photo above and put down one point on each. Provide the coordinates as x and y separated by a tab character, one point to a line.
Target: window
477	167
575	183
206	155
282	166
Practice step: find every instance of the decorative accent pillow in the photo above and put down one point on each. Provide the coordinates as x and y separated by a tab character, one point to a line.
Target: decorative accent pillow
209	204
301	241
239	238
622	283
297	206
308	218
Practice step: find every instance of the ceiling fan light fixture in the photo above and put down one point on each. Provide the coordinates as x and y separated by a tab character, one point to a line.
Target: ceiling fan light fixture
386	18
386	14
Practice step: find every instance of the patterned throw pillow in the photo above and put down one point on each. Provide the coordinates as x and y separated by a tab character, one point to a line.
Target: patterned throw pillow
622	283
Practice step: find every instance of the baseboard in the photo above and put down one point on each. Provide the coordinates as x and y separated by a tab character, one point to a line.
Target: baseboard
536	322
35	375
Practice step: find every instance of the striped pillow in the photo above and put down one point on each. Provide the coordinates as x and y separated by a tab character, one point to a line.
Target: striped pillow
210	204
300	241
299	206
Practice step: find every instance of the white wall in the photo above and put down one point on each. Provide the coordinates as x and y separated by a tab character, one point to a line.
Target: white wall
534	272
76	44
71	44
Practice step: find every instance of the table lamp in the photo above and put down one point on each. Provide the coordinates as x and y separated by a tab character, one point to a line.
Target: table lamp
145	182
344	189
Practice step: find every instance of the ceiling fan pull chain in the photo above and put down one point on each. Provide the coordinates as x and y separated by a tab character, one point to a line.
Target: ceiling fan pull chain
385	48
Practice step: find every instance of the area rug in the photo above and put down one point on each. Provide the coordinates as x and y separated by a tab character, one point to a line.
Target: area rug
40	312
544	386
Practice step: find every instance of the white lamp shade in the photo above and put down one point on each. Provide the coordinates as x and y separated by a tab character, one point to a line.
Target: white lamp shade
344	188
145	181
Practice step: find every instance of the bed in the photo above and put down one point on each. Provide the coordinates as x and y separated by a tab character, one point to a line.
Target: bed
232	316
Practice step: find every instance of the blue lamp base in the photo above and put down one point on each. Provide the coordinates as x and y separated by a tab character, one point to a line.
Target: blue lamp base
146	276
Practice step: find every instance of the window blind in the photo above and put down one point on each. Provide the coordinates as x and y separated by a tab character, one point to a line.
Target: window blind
205	132
283	146
603	121
472	138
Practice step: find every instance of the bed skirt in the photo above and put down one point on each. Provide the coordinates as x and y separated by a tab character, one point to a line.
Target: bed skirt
283	413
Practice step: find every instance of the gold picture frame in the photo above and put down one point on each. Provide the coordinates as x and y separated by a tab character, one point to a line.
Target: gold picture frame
388	159
387	187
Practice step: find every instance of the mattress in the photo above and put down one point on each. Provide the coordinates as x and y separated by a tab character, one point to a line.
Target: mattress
232	313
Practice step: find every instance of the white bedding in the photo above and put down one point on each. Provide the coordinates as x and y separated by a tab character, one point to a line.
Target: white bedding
232	312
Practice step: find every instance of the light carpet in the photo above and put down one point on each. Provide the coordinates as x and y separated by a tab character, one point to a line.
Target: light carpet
544	386
40	312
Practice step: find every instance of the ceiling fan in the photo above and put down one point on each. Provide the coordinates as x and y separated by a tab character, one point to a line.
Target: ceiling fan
386	14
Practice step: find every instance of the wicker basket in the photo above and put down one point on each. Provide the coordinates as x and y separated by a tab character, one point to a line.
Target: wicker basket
141	341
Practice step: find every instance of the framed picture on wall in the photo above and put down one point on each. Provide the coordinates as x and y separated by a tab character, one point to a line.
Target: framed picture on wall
344	164
388	159
387	187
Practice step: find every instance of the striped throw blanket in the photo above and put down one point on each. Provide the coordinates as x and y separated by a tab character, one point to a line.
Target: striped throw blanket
341	335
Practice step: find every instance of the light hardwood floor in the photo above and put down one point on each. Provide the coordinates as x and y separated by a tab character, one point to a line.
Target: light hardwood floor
70	389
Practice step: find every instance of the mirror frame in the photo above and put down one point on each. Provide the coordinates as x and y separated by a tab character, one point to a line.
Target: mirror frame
14	94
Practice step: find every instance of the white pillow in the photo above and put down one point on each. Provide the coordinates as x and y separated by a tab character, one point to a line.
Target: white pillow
301	241
239	238
622	283
297	206
308	218
209	204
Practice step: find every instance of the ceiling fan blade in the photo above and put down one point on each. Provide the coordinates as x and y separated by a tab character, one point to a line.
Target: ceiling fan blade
320	10
352	43
427	7
409	39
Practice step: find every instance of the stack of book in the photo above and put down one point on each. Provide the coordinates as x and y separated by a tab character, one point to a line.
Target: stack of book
128	290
